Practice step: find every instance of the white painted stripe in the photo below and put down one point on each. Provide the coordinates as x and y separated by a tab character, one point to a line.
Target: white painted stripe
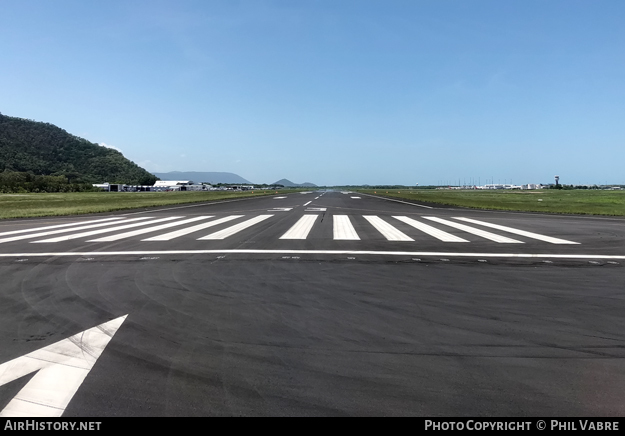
55	232
99	231
337	252
37	229
399	201
222	234
61	369
387	230
478	232
308	203
432	231
343	229
356	198
301	228
202	204
178	233
148	230
549	239
278	198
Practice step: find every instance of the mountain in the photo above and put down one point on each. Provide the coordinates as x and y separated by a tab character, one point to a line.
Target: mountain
287	183
198	177
44	149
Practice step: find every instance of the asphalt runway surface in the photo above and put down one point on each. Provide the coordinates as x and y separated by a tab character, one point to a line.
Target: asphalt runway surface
312	304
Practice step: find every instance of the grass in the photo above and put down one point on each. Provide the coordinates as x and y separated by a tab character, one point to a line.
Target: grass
76	203
581	201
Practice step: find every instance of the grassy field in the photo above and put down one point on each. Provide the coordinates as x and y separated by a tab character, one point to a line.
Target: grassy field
581	201
74	203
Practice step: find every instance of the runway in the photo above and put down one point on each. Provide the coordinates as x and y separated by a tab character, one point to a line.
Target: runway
319	304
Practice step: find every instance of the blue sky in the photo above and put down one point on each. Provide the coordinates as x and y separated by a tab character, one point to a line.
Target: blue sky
330	91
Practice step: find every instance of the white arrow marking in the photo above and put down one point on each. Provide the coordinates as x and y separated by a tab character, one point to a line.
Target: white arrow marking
61	369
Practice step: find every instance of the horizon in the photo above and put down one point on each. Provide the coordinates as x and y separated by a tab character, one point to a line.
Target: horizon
401	92
375	185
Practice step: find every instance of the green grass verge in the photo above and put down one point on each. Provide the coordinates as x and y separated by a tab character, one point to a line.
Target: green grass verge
582	201
76	203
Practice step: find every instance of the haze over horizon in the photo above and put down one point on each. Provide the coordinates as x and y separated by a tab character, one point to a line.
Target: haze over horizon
330	92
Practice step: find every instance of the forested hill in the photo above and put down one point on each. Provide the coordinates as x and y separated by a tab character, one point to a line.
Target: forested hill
44	149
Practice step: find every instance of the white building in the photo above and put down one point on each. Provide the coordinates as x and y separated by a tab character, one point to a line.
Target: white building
180	185
171	183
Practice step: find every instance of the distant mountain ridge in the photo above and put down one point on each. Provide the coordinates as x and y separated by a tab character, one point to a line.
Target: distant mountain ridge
44	149
203	177
288	183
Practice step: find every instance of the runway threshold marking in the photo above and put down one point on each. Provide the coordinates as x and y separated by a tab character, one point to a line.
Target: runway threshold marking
432	231
197	228
549	239
484	234
223	234
343	229
61	368
132	233
337	252
107	230
301	228
387	230
14	232
73	229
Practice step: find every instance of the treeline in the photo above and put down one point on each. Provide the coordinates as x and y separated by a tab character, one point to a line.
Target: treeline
43	149
12	182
